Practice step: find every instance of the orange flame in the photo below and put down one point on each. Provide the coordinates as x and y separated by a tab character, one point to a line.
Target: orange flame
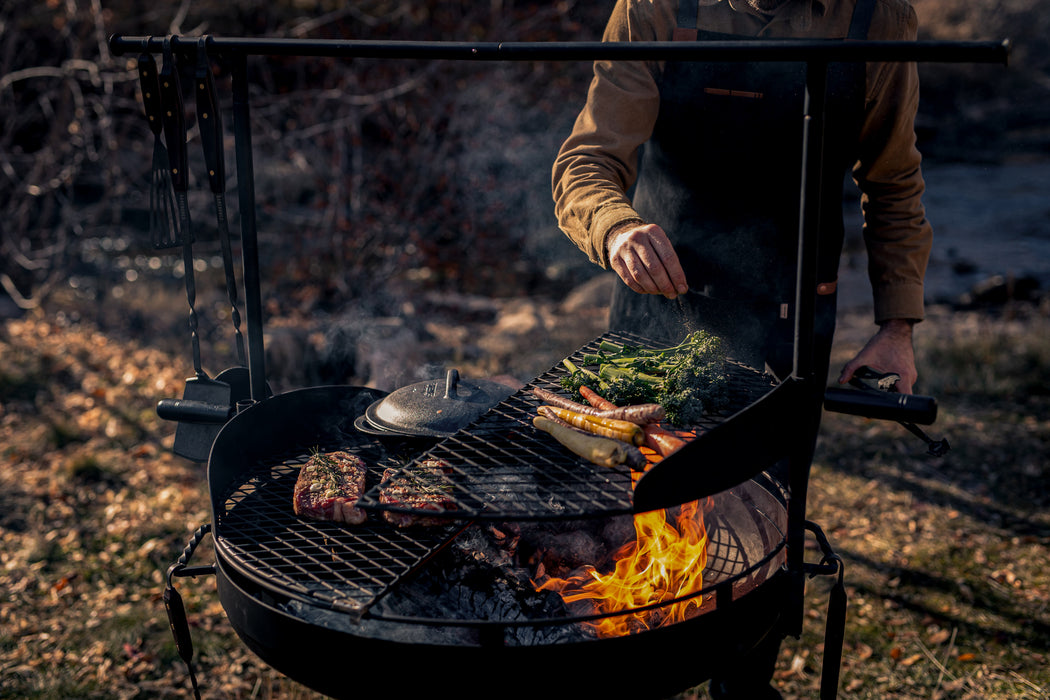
664	562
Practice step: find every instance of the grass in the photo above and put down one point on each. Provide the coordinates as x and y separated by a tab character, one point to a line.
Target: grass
945	559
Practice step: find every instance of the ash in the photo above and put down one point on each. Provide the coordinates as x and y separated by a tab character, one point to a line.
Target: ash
478	590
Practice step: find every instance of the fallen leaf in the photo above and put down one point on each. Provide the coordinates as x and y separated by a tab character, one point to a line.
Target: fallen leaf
940	636
911	660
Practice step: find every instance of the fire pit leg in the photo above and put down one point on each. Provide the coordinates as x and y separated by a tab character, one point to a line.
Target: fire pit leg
835	629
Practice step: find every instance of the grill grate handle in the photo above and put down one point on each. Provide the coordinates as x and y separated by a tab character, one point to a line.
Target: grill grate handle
176	609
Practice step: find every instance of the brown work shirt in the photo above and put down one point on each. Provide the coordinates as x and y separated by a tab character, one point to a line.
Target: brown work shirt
598	163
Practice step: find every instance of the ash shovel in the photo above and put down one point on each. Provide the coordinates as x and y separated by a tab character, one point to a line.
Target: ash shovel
206	403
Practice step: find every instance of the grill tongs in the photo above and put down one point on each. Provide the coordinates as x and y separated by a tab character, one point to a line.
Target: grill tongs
874	395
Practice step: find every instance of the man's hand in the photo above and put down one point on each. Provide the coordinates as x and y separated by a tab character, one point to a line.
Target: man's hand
889	350
645	260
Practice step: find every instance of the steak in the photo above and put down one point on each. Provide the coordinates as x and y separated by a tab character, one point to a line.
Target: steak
419	488
329	486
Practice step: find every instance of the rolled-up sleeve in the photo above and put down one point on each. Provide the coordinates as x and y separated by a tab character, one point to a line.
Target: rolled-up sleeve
598	163
897	234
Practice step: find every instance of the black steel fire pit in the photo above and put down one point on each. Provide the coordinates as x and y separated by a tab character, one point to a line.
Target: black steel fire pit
452	606
305	595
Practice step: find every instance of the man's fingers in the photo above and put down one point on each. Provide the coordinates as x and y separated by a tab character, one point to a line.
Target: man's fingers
646	261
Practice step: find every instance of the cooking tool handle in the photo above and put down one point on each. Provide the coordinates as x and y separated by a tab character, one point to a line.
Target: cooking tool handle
174	119
150	84
209	120
193	411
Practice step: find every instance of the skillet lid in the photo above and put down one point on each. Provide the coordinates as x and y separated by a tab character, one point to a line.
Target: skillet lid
435	408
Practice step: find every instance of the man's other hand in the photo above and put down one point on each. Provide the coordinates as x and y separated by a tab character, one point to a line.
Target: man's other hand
889	350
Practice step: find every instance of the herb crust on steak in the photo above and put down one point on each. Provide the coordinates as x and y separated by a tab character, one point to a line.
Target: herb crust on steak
329	486
421	488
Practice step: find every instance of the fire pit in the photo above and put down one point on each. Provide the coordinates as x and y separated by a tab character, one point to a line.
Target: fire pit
521	571
475	591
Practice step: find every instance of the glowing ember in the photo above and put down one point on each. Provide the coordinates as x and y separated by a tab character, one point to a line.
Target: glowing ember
663	563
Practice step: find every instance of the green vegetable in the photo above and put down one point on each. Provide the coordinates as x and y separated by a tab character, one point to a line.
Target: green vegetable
689	379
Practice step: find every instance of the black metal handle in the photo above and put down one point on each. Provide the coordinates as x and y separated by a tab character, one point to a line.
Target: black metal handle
209	119
190	411
150	84
176	609
174	118
835	626
882	405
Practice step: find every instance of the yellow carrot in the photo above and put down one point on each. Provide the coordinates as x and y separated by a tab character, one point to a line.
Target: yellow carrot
622	430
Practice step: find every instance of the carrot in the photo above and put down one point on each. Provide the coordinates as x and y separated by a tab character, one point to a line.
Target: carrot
661	441
596	449
639	414
607	427
595	399
553	399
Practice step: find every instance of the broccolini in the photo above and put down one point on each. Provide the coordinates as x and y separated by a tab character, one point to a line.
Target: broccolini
688	379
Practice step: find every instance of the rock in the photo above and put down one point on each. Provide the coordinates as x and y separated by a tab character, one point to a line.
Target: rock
592	295
998	290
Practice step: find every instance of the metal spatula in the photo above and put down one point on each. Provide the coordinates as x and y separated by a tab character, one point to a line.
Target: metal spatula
163	222
193	439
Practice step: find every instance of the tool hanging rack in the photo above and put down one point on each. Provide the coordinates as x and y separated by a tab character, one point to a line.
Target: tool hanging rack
816	54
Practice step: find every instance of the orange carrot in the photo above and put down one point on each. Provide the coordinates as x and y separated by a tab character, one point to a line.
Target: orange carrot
593	398
661	441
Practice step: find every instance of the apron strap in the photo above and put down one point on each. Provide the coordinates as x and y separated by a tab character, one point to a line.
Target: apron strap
861	21
688	15
689	10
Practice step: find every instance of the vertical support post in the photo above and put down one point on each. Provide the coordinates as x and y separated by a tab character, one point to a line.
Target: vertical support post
249	238
810	212
810	215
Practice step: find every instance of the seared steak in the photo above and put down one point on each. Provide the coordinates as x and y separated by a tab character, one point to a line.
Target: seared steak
328	487
419	488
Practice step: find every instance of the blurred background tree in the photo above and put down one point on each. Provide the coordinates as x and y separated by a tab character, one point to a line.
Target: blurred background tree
373	177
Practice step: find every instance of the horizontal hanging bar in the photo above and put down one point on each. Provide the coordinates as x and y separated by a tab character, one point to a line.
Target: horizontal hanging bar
754	50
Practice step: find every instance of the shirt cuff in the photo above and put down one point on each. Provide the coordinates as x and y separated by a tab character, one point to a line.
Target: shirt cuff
605	221
902	300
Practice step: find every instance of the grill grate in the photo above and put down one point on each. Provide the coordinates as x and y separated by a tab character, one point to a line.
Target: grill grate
343	568
502	468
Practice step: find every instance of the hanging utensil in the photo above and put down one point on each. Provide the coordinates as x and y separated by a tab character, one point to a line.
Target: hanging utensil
192	439
163	222
209	121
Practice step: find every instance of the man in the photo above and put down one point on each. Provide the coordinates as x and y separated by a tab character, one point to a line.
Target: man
712	225
684	178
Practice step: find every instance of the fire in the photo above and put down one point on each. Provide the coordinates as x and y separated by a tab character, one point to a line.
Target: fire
664	562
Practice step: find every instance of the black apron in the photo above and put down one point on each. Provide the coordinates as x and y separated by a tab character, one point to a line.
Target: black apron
722	175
